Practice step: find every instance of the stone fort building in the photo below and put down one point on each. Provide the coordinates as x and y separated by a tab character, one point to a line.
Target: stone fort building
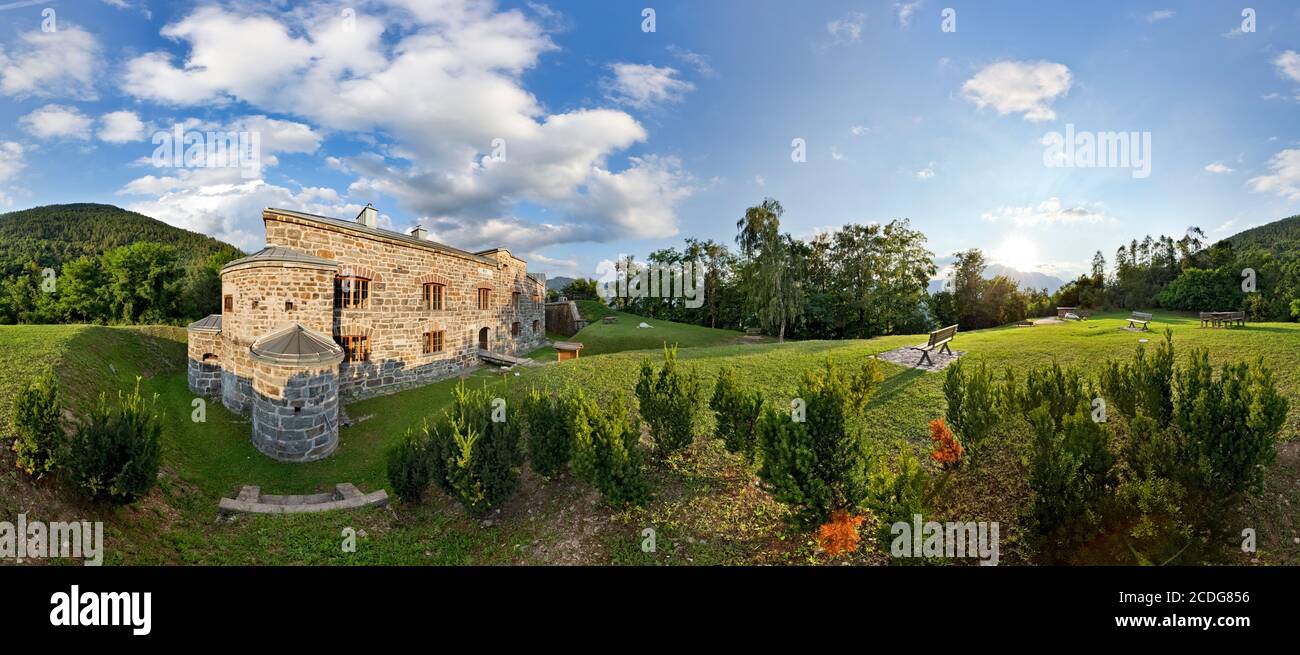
334	309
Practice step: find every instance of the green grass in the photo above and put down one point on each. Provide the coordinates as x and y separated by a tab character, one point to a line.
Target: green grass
600	338
706	510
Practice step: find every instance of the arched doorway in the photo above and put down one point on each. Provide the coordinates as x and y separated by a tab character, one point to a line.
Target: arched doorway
483	339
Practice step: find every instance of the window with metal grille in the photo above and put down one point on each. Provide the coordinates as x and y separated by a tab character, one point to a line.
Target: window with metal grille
351	292
433	294
356	348
433	341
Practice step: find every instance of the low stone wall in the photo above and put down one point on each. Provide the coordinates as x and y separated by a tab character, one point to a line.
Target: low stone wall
204	365
295	411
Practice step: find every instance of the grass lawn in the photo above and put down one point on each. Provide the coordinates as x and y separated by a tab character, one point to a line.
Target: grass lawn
707	507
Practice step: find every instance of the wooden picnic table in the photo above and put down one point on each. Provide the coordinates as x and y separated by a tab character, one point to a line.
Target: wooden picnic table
567	350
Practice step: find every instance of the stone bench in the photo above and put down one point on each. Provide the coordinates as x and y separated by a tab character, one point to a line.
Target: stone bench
251	500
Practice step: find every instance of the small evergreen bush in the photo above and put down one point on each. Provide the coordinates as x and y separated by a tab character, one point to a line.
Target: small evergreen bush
115	454
605	450
549	444
737	414
670	403
1069	474
973	407
409	465
36	415
898	494
473	457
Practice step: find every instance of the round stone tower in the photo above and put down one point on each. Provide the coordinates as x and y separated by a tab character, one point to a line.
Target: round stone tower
295	396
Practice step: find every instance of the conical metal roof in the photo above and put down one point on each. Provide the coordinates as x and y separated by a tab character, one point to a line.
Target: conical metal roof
296	344
280	255
209	323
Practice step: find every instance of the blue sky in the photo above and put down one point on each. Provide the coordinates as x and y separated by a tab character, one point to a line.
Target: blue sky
621	140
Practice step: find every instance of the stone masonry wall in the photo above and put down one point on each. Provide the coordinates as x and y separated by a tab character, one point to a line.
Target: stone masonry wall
295	411
205	349
394	316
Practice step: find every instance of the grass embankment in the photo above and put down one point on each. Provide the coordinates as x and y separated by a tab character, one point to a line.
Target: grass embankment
707	507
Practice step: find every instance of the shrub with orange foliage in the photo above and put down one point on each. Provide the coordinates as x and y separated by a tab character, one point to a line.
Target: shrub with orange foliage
947	450
840	536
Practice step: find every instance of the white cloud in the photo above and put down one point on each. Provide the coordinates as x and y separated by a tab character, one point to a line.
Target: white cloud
1285	180
1218	168
1027	88
1159	15
760	180
837	155
645	85
57	121
1049	212
926	173
433	97
905	11
51	65
1227	225
11	160
693	59
565	267
1288	64
860	130
121	127
848	29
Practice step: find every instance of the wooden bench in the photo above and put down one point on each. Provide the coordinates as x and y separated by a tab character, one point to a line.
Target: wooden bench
565	350
1209	318
938	339
753	332
1139	319
1238	318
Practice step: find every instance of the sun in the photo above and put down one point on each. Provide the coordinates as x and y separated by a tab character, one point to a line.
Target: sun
1018	252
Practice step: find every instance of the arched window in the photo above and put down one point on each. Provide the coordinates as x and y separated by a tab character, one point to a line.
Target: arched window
351	291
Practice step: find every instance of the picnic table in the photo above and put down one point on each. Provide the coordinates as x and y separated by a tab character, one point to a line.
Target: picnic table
1223	319
567	350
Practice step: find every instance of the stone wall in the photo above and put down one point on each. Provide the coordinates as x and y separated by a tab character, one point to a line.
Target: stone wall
394	316
295	411
205	351
564	318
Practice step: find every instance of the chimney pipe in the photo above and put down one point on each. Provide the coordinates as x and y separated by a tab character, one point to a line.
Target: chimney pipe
419	232
369	216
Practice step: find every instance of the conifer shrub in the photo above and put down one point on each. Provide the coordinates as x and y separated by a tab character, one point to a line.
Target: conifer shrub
550	445
820	464
1070	470
670	403
898	493
1145	383
737	414
410	465
36	417
475	456
973	403
605	450
115	454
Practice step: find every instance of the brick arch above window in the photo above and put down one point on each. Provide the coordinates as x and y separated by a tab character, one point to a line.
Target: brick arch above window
433	278
433	326
353	330
359	270
483	285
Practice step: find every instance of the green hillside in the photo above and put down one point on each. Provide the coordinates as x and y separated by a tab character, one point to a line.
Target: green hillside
1281	238
55	234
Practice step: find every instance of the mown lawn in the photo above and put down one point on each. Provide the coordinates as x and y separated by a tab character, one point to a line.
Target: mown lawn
707	508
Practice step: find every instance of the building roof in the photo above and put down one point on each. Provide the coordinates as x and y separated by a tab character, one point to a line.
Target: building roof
296	344
209	323
387	234
281	255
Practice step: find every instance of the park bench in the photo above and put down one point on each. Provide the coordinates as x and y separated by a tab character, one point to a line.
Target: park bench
1238	318
567	350
1139	319
1209	318
753	332
938	339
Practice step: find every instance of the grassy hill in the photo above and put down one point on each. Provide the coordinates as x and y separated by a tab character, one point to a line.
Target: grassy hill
55	234
1281	238
707	510
600	338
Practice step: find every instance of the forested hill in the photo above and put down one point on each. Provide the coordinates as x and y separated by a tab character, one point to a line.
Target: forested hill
1281	238
56	234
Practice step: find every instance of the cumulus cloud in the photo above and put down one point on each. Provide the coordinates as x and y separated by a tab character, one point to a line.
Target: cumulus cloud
60	64
11	160
1285	177
57	121
120	127
1016	87
926	173
1288	65
1048	212
693	59
1218	168
848	29
645	85
435	101
905	11
1159	15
